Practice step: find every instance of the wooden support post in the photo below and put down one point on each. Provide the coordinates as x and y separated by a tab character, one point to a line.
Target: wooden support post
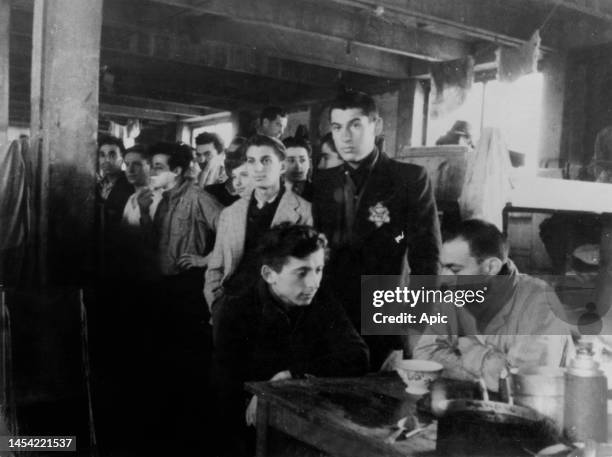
65	69
553	97
5	20
405	110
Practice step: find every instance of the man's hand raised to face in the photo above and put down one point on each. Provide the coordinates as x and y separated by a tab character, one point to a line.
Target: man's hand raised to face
145	200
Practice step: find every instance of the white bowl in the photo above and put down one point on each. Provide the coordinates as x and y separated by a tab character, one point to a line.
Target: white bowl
418	374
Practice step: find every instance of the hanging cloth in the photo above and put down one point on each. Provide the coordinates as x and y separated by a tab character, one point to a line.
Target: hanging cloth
451	82
126	133
512	63
14	211
486	189
133	128
13	197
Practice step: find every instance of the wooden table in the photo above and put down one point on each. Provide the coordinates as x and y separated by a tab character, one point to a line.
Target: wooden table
349	417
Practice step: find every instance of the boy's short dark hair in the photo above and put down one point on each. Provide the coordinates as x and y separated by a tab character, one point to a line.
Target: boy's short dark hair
233	159
238	141
287	240
353	99
272	112
179	154
113	140
263	140
295	142
140	149
485	239
328	139
209	137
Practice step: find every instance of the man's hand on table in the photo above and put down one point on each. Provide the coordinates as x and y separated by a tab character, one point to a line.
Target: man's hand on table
251	411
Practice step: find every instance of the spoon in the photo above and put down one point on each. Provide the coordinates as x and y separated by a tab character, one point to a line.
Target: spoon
419	427
401	424
403	433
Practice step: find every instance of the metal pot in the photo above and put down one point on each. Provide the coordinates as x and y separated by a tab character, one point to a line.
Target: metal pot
541	388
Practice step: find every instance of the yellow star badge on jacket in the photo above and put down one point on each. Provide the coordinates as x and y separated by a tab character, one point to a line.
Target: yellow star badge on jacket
379	214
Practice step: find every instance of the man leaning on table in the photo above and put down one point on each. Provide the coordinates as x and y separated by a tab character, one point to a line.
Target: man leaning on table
282	328
516	325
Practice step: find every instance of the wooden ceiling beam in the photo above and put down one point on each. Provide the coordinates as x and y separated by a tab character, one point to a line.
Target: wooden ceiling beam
595	8
160	79
325	20
312	49
499	21
132	38
137	113
153	105
450	16
134	107
299	46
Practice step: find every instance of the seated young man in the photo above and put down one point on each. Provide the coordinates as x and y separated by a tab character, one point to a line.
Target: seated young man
519	323
284	327
232	266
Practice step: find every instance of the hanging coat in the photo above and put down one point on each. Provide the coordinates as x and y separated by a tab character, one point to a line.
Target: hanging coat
486	189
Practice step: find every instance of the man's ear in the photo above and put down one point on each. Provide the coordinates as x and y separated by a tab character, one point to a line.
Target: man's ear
268	274
492	265
283	166
178	171
378	128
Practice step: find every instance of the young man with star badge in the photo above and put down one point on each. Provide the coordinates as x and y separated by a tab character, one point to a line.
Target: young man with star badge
379	215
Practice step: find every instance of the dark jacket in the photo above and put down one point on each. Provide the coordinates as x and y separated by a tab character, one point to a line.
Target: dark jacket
110	216
413	228
220	192
115	203
395	232
304	190
256	338
380	245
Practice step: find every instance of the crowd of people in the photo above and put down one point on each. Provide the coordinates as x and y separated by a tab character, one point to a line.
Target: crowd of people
244	263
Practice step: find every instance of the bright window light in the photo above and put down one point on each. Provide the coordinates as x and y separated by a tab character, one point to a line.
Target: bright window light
14	133
224	129
470	111
516	109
